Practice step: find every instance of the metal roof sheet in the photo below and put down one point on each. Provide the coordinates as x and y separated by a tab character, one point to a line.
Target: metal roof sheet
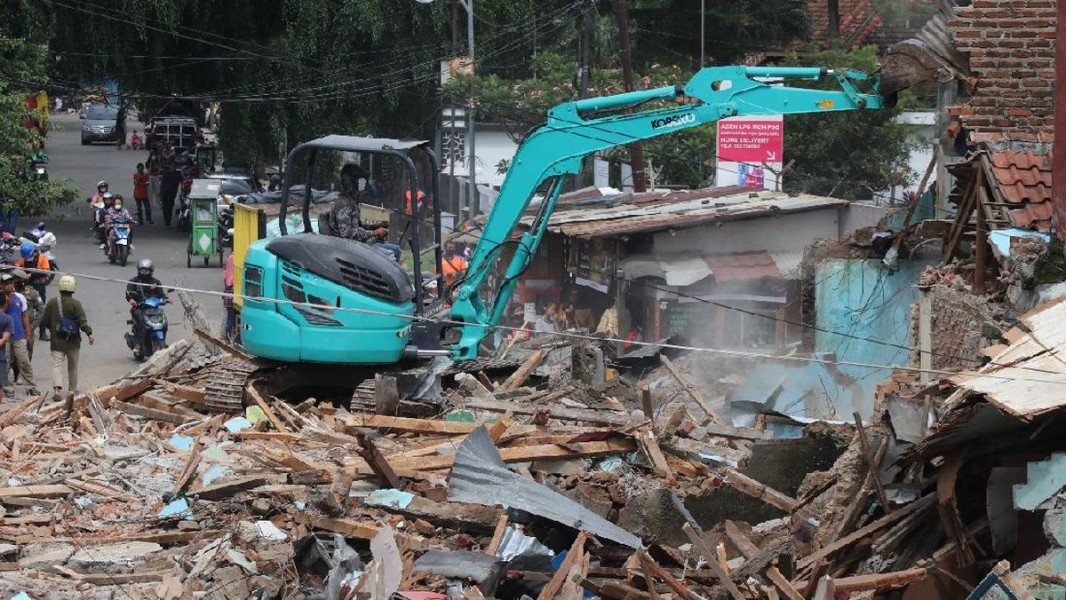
351	143
1029	377
677	210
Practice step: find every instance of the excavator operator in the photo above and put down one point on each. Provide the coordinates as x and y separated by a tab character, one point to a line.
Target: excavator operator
344	218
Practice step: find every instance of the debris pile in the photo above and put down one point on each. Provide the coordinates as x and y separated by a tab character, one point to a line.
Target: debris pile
541	475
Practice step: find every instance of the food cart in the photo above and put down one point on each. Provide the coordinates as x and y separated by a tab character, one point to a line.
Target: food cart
203	237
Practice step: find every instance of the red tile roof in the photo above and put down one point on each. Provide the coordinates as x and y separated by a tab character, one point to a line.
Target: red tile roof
743	267
1023	180
861	23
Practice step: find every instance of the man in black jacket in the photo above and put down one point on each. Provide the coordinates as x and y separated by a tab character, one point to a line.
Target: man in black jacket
168	191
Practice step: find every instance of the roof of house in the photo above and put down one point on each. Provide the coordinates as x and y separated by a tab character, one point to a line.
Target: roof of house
613	214
1018	169
862	23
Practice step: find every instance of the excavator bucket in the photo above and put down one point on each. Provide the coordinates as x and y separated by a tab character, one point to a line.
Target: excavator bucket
911	62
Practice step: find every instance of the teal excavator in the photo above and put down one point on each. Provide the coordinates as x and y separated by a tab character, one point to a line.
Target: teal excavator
325	301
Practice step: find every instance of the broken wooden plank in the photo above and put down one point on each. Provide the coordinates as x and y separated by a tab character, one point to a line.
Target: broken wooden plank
35	491
783	584
363	530
879	582
102	579
525	454
497	535
554	412
226	488
691	389
190	469
187	393
874	467
747	485
377	461
258	399
739	540
10	416
885	521
646	439
704	547
577	549
647	562
522	374
739	433
228	348
150	413
408	425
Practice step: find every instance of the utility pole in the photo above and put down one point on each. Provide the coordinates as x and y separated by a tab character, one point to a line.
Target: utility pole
636	149
585	59
473	206
1058	156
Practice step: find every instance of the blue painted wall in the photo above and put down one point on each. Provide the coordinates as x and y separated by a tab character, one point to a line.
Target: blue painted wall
864	299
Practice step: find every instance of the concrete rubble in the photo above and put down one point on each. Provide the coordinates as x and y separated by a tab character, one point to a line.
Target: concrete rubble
547	474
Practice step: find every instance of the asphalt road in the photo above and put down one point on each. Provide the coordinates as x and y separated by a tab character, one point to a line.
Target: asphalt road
77	252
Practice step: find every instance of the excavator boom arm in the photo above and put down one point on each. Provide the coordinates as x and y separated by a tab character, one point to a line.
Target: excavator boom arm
577	129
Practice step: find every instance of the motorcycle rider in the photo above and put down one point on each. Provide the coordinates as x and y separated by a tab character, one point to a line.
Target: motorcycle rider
101	207
98	198
116	211
142	286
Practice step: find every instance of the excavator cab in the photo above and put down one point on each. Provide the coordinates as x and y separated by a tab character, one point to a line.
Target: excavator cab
315	298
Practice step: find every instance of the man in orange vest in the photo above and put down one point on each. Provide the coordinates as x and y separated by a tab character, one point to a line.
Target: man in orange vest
453	265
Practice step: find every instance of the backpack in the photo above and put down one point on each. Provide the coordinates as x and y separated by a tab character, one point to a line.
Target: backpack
68	328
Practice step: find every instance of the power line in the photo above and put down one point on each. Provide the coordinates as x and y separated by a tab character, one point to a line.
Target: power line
558	334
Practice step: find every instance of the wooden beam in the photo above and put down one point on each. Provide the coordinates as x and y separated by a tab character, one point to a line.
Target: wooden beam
647	442
874	466
377	461
35	491
408	425
577	549
363	530
600	417
739	540
526	454
497	535
704	548
522	374
880	582
190	469
646	562
691	389
9	417
740	433
258	399
885	521
783	584
747	485
150	413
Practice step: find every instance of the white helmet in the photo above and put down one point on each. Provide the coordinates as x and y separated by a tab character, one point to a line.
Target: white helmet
47	241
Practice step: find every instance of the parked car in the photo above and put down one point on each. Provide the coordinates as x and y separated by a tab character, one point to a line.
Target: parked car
183	132
103	123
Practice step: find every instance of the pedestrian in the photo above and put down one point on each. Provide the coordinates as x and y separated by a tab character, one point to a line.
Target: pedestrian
155	171
65	317
6	327
21	334
34	303
168	190
545	323
228	278
141	181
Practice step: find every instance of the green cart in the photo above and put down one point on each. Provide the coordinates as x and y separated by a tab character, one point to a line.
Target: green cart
203	205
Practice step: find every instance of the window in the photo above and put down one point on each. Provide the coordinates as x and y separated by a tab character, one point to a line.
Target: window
253	281
101	113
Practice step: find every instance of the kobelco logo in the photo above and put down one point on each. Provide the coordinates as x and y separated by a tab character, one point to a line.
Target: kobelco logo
672	121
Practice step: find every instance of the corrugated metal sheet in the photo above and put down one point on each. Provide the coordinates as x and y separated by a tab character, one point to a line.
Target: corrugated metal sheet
679	210
1034	378
480	476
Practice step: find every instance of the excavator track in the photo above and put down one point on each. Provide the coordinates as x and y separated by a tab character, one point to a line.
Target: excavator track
225	384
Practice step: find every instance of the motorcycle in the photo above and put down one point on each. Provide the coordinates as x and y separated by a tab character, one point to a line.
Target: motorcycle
225	226
149	333
118	241
184	212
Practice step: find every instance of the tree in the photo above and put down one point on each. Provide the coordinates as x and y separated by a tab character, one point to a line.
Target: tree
21	67
845	154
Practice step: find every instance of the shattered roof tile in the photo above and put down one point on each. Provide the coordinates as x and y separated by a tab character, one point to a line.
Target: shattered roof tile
1023	180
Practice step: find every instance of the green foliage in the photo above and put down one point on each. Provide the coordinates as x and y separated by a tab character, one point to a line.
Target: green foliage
21	62
845	154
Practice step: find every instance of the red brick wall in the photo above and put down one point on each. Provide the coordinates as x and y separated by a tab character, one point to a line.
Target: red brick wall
1011	45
